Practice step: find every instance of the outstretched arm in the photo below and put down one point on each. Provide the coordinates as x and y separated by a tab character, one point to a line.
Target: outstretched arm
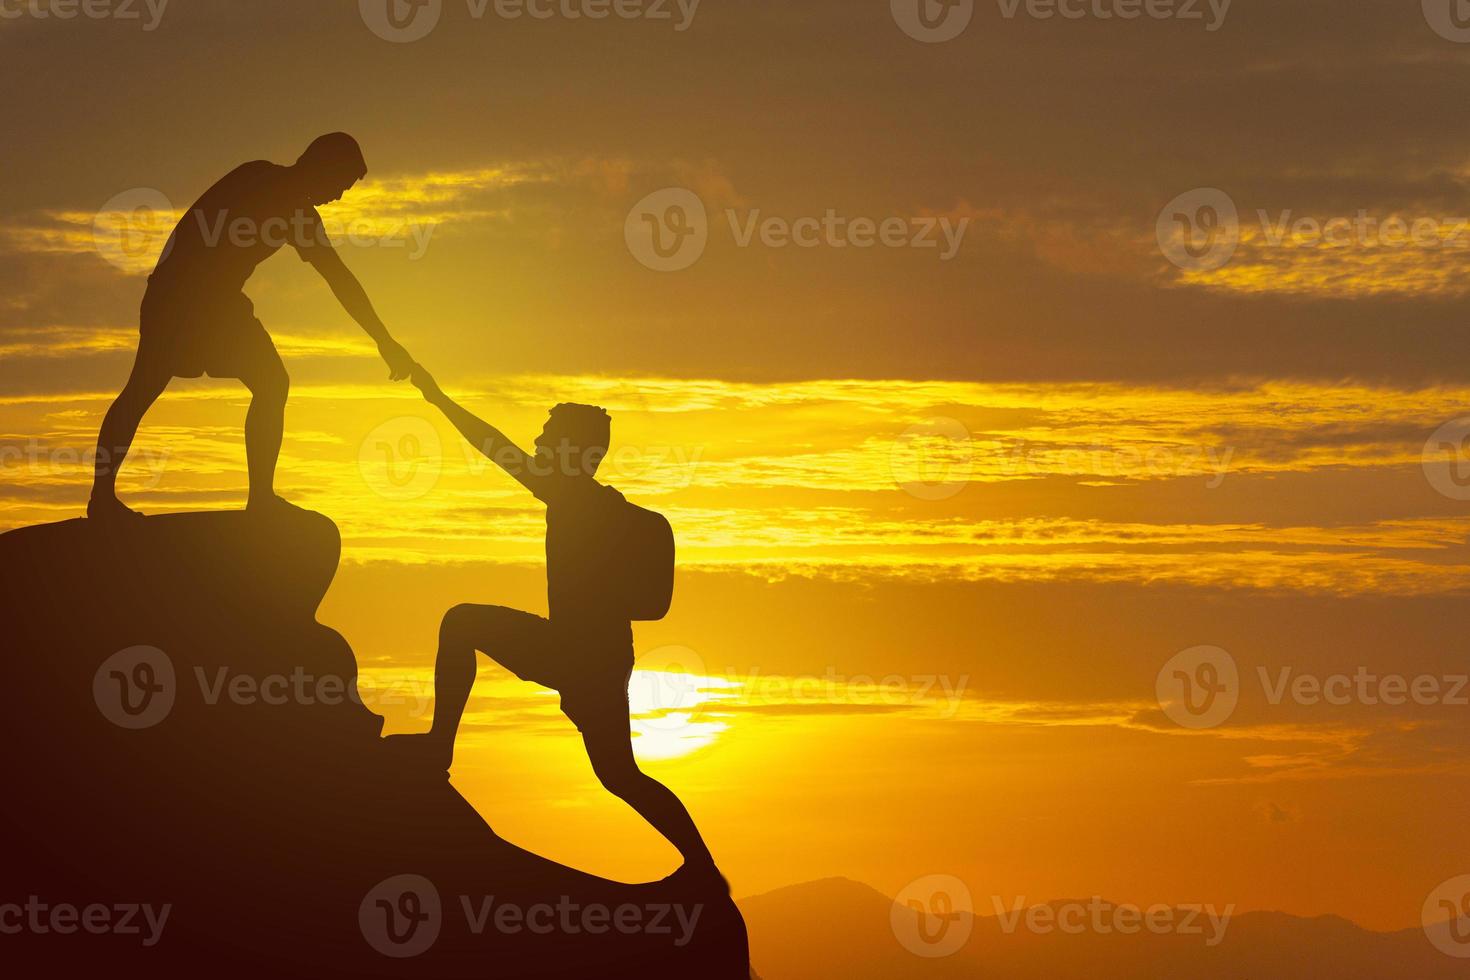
489	440
354	300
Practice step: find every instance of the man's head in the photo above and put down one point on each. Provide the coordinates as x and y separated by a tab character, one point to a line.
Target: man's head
575	439
330	165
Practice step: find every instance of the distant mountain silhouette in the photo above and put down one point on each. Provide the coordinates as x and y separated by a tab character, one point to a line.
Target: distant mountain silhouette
277	832
841	928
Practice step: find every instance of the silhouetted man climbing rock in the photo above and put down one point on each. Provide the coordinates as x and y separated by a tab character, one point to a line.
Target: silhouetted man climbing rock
607	562
195	319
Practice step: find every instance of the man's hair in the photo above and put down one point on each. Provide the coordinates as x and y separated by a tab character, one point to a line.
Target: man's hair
587	427
337	152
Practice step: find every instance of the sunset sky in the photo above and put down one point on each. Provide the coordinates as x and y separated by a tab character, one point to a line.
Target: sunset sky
942	521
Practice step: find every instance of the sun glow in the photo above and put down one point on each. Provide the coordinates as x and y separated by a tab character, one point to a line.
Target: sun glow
676	714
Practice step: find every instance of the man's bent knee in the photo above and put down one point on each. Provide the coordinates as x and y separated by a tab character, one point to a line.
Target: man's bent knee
457	622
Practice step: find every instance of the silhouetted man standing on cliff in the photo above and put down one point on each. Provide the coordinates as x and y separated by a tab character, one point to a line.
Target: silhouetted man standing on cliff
196	320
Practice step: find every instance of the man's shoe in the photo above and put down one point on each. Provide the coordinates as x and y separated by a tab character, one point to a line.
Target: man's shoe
274	504
421	753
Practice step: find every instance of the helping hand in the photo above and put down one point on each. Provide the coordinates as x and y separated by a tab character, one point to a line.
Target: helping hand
399	361
425	383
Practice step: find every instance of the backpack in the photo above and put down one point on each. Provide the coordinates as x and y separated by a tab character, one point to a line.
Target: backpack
643	543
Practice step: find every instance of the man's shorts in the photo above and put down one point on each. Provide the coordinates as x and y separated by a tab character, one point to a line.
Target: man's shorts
192	332
589	666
